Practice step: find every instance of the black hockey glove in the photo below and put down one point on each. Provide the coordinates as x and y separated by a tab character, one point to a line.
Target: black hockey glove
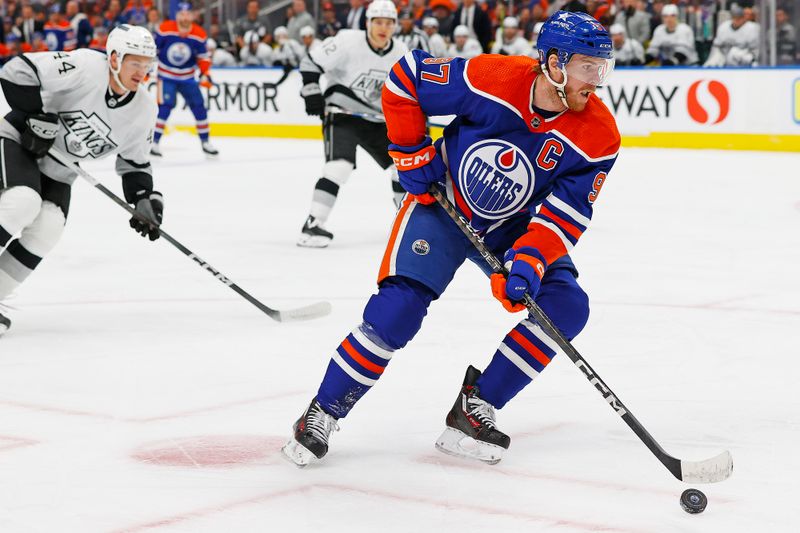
150	207
315	102
39	134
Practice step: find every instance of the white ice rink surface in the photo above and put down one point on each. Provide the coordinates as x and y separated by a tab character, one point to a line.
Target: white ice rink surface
139	394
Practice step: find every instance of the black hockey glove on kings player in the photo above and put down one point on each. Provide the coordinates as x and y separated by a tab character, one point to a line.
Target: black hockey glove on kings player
138	188
315	102
39	133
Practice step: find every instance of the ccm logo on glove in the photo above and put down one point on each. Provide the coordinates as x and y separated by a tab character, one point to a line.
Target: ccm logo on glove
405	161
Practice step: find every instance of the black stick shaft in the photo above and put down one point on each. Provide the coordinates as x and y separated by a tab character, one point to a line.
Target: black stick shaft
672	464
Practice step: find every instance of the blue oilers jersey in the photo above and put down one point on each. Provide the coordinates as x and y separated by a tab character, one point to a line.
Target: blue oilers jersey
504	159
180	54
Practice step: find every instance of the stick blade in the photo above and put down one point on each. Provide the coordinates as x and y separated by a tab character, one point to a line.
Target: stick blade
711	470
308	312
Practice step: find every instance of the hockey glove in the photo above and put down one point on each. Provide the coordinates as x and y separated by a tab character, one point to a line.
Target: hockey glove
315	102
40	133
205	81
525	267
418	167
150	207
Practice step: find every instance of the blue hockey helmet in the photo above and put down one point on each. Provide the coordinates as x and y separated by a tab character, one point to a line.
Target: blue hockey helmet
566	34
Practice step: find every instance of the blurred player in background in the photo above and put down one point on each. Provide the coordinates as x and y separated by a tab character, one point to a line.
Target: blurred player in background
181	51
523	161
88	106
355	63
510	42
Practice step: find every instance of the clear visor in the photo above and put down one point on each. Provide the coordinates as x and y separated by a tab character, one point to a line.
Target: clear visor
139	63
592	70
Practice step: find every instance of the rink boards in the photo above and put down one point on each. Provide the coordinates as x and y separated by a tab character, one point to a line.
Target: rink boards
742	109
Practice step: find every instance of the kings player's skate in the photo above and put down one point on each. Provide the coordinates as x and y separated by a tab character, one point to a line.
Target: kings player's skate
471	431
311	433
5	324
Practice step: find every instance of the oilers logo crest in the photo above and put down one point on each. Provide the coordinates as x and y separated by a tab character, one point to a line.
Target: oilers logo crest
179	53
496	178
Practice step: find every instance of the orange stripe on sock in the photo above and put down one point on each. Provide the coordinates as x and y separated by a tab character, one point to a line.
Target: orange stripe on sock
360	359
529	347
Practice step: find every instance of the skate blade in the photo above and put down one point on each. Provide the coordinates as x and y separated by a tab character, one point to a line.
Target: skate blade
211	156
313	241
459	444
297	454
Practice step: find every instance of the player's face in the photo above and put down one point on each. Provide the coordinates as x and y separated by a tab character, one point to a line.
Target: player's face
509	33
184	18
381	31
584	75
134	71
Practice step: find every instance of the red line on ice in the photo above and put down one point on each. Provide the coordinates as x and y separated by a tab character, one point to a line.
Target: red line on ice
16	442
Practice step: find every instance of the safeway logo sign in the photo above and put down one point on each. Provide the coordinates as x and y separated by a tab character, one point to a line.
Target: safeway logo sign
708	101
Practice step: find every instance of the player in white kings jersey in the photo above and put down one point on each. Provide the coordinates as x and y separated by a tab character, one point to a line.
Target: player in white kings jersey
87	106
355	64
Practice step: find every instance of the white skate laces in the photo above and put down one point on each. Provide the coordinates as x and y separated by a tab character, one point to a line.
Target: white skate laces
320	424
482	410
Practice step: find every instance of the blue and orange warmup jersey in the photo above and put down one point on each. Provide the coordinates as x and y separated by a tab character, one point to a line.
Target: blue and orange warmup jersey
179	54
60	37
505	159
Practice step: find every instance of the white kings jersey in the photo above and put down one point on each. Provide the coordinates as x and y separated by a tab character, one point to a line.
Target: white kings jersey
354	70
94	122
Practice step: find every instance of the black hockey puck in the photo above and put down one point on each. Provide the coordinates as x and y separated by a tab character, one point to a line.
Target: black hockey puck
693	501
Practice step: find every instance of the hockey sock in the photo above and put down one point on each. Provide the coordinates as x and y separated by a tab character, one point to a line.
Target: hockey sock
355	367
325	193
202	130
201	116
159	131
523	355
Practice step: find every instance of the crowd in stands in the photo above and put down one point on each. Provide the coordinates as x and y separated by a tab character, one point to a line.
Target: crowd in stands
645	32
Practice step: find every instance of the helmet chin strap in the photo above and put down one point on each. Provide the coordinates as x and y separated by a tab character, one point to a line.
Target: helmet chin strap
115	75
560	87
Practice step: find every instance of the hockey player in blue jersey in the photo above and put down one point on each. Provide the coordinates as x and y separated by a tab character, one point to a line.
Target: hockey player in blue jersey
181	51
523	160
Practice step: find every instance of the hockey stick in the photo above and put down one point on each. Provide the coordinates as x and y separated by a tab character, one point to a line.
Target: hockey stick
308	312
711	470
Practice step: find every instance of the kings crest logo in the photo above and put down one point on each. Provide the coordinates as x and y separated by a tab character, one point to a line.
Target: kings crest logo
369	85
86	136
495	178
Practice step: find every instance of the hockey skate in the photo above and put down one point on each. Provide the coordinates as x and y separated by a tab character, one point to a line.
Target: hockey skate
311	432
5	324
313	236
471	431
155	150
209	150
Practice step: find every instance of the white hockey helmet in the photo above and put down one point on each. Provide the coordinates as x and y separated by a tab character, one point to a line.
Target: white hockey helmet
126	39
382	9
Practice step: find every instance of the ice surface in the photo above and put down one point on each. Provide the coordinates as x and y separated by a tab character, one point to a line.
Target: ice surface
139	394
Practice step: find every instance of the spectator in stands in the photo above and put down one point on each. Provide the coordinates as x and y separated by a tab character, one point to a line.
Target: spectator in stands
464	45
80	24
673	41
442	11
38	44
787	38
252	21
330	25
135	13
510	42
627	52
153	20
58	33
222	38
635	21
10	9
470	15
300	19
308	38
255	53
435	41
420	10
100	38
537	29
113	15
10	49
287	52
413	37
29	24
356	17
219	56
736	43
655	15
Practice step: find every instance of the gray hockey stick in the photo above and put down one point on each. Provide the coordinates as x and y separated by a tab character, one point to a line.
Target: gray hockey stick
307	312
710	470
